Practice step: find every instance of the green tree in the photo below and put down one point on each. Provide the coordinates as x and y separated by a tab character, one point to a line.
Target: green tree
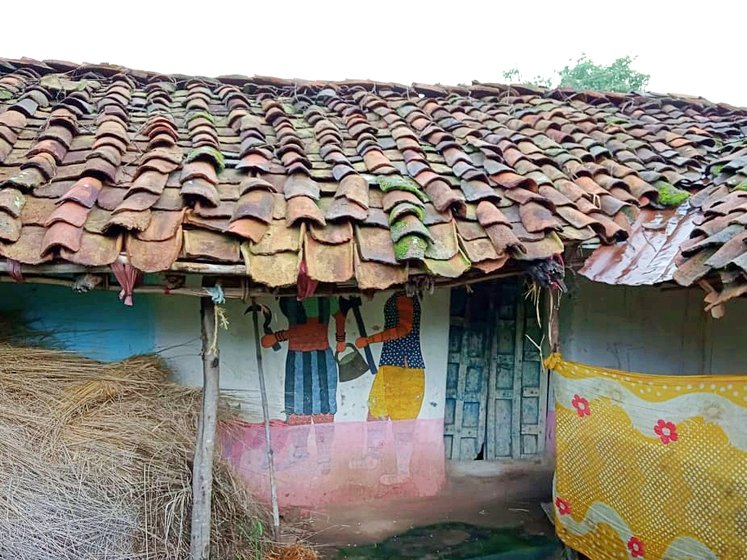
618	76
585	74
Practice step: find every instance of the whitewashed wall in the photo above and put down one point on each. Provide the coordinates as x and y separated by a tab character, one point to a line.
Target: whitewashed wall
651	330
177	338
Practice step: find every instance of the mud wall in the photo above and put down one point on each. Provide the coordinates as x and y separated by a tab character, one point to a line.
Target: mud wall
335	440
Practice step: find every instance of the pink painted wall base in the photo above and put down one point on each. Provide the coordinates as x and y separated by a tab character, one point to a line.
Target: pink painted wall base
341	462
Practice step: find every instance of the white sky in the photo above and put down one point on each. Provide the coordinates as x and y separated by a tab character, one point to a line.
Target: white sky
689	47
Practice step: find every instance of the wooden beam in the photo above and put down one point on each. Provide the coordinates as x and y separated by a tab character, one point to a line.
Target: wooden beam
202	468
243	293
178	266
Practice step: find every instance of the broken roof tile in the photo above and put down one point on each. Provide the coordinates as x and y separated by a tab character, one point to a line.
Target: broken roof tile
450	268
257	204
248	228
278	239
203	244
343	208
95	250
332	263
504	239
375	244
332	234
28	248
536	217
371	275
303	208
155	256
276	270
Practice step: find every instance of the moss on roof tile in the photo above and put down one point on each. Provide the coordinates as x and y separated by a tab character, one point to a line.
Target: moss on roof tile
669	195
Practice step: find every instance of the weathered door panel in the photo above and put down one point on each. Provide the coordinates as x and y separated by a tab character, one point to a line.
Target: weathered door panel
467	381
496	385
501	407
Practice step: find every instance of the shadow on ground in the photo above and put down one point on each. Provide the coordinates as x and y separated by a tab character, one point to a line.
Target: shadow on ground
484	512
498	497
455	541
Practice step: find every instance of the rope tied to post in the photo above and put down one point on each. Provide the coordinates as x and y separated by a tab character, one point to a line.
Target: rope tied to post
219	299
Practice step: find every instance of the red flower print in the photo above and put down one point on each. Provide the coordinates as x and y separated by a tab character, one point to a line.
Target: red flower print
635	546
667	431
564	507
581	405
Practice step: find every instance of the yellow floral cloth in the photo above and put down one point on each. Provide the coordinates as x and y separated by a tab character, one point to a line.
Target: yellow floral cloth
650	466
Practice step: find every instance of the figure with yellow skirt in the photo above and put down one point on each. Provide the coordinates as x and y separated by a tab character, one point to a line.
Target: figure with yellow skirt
399	386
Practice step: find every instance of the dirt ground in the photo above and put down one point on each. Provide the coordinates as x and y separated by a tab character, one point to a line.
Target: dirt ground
477	493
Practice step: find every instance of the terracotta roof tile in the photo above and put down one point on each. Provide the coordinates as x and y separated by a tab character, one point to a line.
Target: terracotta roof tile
94	250
442	179
331	263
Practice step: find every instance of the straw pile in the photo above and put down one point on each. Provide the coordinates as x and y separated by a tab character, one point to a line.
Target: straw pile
294	552
96	463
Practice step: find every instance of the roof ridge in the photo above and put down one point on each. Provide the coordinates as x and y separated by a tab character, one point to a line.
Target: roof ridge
475	89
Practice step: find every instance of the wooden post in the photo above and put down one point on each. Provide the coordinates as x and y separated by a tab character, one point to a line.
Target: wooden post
553	345
518	372
202	468
553	320
266	416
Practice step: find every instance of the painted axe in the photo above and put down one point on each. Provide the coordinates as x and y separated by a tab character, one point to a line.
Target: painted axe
354	303
267	316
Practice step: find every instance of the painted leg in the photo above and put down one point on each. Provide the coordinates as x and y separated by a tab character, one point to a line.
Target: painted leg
404	443
324	433
300	426
375	425
375	436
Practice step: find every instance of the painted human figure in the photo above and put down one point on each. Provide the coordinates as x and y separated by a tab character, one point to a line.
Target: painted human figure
399	386
310	372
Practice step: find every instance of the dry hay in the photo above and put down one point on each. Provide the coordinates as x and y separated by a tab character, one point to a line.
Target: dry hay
96	461
294	552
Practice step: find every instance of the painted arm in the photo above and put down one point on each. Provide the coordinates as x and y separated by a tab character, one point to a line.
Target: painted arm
269	339
405	316
340	331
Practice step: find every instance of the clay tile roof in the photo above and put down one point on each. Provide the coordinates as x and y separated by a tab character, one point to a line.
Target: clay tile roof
355	181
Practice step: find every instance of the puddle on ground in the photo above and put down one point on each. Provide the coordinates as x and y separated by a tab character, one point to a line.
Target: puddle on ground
457	541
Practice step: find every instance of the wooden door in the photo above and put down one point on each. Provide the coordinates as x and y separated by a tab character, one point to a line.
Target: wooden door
496	396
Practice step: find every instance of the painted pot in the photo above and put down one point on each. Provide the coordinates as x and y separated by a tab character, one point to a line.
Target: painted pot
351	365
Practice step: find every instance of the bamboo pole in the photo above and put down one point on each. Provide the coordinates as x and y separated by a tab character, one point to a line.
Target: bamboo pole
202	467
176	267
266	416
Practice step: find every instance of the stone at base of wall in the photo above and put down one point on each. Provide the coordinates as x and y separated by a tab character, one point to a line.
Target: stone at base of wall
500	467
